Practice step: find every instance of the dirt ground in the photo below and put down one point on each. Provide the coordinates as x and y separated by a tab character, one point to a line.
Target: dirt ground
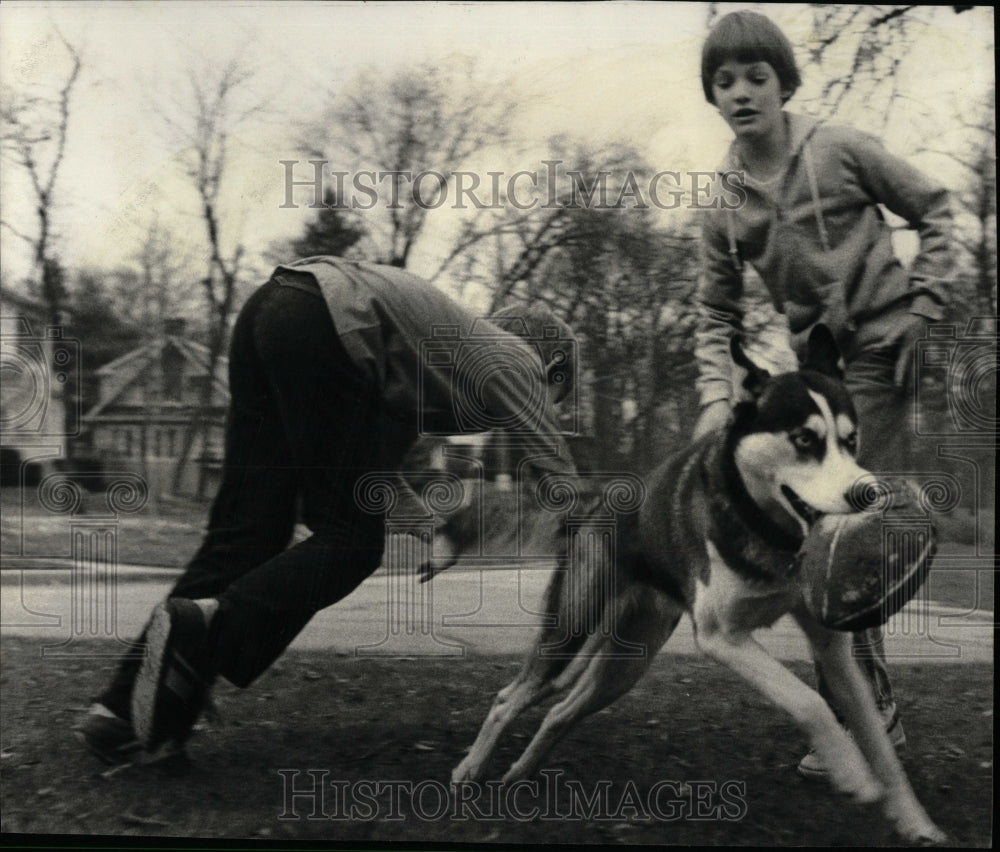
690	757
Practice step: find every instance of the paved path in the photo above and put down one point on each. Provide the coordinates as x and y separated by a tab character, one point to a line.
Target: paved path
460	612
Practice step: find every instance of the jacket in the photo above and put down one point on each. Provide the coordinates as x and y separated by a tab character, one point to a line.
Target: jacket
437	368
817	238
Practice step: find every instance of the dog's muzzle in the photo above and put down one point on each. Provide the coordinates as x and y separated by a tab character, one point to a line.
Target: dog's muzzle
801	507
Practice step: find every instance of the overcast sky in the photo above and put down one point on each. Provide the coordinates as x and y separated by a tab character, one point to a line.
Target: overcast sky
600	71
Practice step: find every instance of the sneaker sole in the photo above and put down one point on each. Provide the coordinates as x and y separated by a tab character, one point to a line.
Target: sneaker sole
812	774
131	754
148	681
111	756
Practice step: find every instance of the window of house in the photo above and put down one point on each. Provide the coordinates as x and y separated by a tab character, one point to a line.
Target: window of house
197	385
123	441
216	442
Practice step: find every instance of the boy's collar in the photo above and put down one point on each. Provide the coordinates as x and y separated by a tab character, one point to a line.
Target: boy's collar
800	128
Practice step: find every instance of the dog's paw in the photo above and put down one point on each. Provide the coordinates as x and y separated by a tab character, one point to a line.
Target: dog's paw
910	819
914	826
925	834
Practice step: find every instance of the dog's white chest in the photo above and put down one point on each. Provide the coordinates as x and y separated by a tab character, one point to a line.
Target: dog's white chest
735	604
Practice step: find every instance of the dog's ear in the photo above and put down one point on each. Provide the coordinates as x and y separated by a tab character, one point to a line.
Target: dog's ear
756	376
822	352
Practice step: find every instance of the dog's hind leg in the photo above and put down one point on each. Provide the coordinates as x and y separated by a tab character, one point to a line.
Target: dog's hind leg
597	676
530	686
857	704
539	677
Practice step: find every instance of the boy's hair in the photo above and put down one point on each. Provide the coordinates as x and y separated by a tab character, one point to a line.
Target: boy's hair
748	37
553	337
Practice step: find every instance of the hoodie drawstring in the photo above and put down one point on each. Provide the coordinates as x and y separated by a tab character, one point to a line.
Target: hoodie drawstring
814	192
824	237
734	252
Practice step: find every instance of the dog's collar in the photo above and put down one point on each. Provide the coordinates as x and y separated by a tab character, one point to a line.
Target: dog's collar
745	534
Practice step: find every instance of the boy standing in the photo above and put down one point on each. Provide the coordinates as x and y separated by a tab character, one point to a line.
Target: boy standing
812	228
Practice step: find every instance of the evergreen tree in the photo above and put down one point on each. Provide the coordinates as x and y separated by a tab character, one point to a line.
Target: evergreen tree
332	232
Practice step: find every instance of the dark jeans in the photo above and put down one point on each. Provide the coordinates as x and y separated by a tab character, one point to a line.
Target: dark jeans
302	428
886	430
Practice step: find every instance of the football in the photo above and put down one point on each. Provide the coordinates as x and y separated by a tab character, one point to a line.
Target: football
860	569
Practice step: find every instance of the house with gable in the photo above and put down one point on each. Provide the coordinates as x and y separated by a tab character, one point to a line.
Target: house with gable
147	401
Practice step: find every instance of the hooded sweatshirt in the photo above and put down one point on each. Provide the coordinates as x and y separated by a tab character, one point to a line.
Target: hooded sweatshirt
819	242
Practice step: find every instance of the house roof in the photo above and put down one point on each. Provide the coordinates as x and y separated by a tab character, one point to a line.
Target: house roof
119	375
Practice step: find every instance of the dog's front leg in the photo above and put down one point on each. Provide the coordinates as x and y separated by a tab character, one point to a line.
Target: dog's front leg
833	651
738	650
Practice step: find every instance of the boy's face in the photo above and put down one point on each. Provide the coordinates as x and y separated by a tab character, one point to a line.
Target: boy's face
749	96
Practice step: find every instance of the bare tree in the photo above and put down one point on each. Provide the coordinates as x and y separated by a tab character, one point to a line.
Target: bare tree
858	50
409	134
975	234
163	288
579	180
164	292
35	130
214	107
622	282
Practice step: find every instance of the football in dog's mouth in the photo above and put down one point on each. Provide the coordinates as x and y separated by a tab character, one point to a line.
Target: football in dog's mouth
801	507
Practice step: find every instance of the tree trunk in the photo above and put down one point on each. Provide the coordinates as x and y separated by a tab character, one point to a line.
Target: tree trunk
200	420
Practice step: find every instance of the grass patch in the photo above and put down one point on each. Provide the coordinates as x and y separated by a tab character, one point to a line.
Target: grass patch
164	535
689	721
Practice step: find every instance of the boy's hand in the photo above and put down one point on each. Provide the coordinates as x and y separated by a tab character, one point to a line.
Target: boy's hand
713	416
905	339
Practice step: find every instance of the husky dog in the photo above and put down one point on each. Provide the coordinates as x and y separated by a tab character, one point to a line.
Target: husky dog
717	537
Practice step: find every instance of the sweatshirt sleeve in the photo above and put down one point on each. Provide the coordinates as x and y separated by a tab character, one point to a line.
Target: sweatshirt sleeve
513	396
720	314
924	204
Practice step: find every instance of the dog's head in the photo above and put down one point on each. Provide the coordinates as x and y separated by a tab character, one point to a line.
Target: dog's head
795	443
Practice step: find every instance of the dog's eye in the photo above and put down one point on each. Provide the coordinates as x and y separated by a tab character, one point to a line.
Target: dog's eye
852	441
804	440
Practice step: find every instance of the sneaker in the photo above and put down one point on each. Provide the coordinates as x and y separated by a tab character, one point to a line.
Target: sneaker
175	677
812	767
109	737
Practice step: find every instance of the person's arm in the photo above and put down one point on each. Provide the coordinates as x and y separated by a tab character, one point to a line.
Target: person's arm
516	401
720	316
923	203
